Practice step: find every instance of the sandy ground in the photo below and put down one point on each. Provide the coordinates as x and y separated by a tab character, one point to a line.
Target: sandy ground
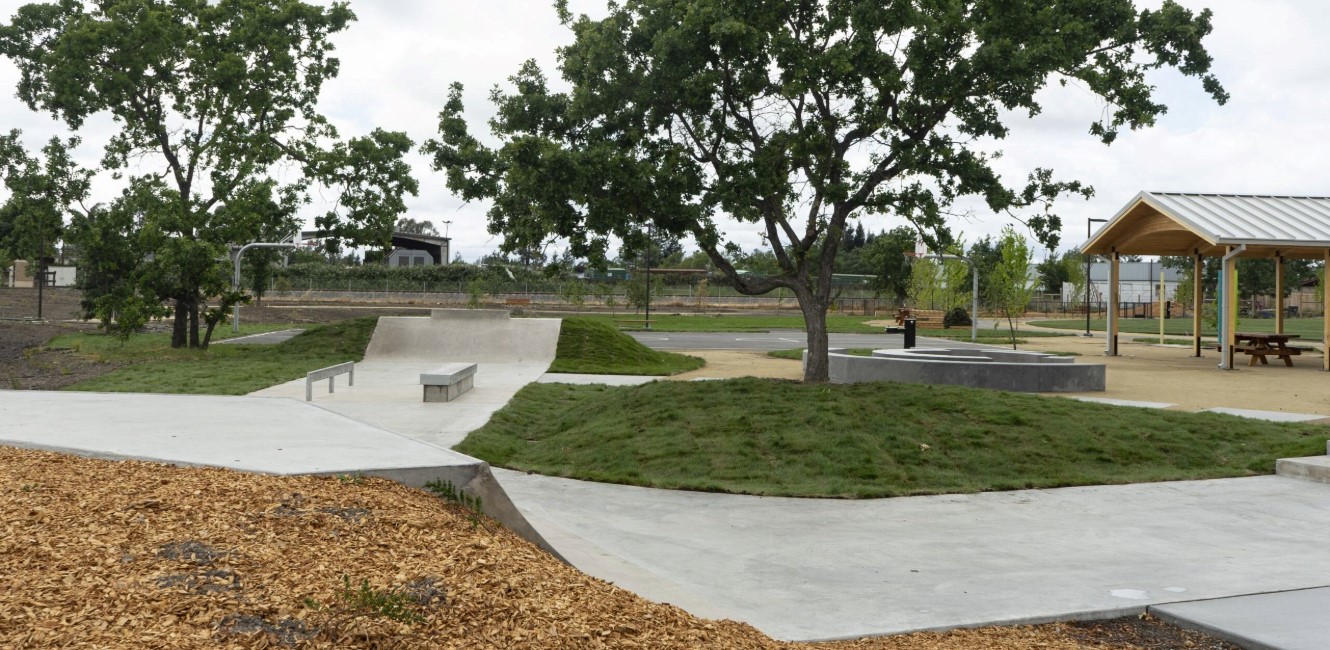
1150	372
1142	372
723	364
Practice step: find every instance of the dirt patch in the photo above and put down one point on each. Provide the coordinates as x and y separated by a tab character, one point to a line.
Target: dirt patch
103	554
1146	371
725	364
26	365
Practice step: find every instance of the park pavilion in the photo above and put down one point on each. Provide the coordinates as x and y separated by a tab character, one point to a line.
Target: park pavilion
1226	226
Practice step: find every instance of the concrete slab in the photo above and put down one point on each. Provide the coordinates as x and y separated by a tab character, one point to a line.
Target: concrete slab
1125	402
608	380
272	436
252	434
1270	416
806	569
1288	620
387	394
1309	468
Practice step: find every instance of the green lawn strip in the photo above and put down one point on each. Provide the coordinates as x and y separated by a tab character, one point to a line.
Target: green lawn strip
594	347
838	323
234	369
1306	328
769	437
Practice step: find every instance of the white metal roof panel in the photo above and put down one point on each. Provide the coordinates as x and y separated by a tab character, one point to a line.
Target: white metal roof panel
1235	218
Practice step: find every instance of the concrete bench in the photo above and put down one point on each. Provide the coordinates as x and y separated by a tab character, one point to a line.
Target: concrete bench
447	382
329	373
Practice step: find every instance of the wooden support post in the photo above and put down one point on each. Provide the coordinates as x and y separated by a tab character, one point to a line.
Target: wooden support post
1198	301
1230	315
1111	332
1279	293
1163	306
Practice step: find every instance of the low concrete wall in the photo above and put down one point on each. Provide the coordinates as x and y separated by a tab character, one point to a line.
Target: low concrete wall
1029	372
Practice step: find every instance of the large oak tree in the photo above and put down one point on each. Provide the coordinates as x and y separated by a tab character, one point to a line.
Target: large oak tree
797	115
211	99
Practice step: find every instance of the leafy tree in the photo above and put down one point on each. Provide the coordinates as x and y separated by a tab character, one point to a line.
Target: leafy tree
218	94
42	192
1009	289
409	225
1055	272
886	258
797	117
943	285
986	256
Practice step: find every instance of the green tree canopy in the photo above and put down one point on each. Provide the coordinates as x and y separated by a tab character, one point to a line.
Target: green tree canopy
796	117
42	192
217	94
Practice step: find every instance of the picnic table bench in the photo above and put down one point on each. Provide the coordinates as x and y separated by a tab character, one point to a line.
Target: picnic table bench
926	318
1259	345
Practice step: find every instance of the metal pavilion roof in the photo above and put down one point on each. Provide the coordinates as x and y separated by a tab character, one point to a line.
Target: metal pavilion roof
1167	223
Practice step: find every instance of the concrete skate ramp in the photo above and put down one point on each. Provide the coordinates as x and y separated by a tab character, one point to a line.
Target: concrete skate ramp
471	335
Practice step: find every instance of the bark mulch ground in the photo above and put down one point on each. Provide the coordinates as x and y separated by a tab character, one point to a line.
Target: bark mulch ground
103	554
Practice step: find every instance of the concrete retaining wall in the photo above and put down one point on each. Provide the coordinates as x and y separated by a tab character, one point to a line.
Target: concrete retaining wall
1029	372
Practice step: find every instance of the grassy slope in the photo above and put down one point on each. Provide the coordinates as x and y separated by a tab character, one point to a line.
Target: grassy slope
1307	328
865	440
222	369
594	347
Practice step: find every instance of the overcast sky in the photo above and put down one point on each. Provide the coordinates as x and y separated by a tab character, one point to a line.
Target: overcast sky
1273	137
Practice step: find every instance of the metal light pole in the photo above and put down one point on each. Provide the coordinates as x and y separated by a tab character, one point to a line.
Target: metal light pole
1087	275
235	280
974	293
445	228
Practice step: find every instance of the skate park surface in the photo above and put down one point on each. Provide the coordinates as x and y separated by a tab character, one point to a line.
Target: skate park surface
797	569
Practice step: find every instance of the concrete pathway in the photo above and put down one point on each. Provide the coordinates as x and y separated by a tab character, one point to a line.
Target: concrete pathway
1289	620
805	569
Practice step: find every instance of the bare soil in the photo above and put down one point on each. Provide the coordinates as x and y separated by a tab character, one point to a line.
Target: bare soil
104	554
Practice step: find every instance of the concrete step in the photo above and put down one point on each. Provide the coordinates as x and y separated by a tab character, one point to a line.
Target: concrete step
1310	468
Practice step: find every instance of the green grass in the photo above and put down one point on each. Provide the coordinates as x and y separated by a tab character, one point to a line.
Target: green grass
1306	328
593	347
771	437
237	369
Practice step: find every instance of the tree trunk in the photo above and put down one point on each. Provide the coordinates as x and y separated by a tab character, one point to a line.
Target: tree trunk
180	326
194	323
815	318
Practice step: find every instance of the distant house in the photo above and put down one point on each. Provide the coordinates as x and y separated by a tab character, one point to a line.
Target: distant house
409	249
20	275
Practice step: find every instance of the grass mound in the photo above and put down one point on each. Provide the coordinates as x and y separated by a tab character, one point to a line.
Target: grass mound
771	437
594	347
234	369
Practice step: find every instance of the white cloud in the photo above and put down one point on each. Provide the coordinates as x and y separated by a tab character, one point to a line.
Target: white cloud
400	56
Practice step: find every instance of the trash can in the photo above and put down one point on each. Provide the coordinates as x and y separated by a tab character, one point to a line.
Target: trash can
910	324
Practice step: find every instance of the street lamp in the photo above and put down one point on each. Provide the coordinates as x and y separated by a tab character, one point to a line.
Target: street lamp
445	228
1087	274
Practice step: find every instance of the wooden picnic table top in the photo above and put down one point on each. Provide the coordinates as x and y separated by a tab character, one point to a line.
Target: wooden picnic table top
1264	336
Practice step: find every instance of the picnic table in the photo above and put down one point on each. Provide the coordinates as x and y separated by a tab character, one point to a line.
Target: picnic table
1259	345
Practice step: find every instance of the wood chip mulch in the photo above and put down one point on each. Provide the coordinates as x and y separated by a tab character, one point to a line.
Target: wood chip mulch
102	554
